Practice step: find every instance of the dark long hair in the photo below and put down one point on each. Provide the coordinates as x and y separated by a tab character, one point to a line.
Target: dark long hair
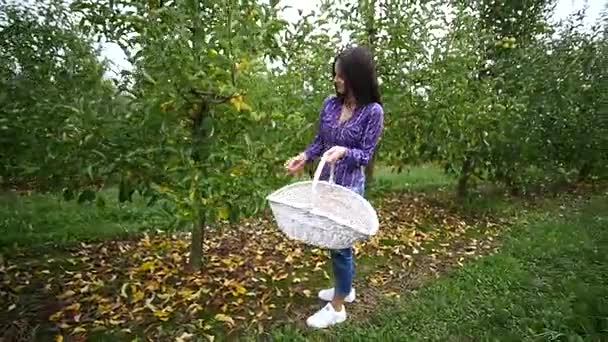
359	71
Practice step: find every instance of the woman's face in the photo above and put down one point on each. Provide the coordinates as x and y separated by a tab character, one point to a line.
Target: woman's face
339	83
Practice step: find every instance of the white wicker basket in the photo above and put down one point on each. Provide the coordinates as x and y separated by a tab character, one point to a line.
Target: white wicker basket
323	214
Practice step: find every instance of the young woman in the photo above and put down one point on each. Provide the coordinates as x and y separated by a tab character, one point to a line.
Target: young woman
350	125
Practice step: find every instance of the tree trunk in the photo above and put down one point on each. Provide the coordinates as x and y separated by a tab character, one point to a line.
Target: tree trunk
369	170
199	153
196	246
505	176
310	170
514	189
465	174
369	9
198	220
584	172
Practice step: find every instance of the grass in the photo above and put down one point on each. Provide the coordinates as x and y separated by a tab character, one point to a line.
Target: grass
548	282
35	219
419	178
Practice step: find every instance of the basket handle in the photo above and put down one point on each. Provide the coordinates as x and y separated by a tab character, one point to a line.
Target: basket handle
320	167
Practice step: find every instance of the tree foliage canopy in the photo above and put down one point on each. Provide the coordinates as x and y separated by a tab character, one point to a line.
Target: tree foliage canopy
221	92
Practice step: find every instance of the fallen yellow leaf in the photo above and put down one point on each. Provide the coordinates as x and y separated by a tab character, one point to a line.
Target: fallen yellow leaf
162	315
66	294
78	330
123	290
224	318
138	296
55	317
238	290
147	266
280	277
392	295
184	337
116	322
223	213
74	307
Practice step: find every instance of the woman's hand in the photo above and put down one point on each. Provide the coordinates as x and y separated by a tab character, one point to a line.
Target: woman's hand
334	153
296	163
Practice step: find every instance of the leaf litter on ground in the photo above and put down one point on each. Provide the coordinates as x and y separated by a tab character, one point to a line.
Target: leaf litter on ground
253	277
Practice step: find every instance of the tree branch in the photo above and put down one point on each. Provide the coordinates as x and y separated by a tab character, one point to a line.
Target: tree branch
211	97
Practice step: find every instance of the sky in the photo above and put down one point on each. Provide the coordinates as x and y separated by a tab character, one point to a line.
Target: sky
564	8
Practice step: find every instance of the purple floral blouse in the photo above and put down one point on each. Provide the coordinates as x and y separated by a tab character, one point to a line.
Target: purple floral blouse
359	134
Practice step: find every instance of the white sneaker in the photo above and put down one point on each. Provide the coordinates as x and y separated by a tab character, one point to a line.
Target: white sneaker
328	295
326	317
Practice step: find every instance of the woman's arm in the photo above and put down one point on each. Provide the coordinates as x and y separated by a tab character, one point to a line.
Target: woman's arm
373	129
314	150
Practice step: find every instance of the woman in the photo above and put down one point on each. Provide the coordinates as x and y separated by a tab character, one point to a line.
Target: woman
350	125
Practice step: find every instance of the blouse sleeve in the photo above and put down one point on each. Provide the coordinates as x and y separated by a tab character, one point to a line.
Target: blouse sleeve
372	132
314	150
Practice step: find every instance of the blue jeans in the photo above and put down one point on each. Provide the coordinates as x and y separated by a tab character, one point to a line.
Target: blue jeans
342	261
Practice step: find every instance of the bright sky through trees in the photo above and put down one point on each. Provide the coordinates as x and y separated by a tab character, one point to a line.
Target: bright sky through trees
564	8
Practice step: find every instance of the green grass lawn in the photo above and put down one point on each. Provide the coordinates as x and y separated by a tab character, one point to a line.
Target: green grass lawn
45	218
426	177
549	282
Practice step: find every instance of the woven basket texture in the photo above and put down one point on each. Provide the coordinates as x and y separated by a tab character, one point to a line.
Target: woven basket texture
322	213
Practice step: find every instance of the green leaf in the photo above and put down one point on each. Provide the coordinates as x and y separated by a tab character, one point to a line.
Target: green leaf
86	196
68	194
100	201
125	191
90	172
148	78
